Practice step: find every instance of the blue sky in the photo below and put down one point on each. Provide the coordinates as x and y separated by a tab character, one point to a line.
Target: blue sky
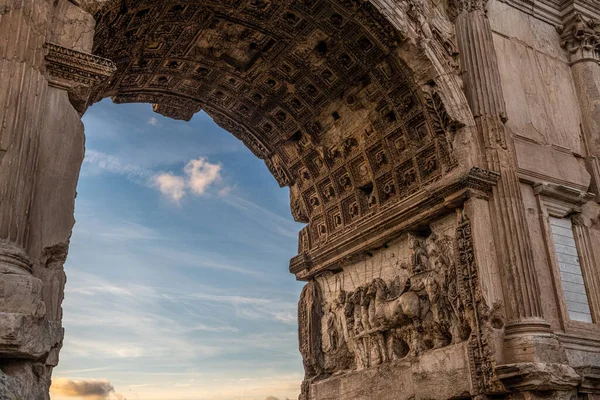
178	283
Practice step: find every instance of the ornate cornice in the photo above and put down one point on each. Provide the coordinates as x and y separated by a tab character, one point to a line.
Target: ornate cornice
590	379
375	231
538	376
581	38
69	68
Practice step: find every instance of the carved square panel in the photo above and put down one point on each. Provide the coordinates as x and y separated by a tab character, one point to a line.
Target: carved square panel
143	16
221	98
343	181
268	128
177	12
360	171
332	17
417	131
403	101
429	164
304	176
335	220
270	84
387	116
131	80
313	201
244	109
232	82
163	81
386	188
315	163
407	178
311	92
327	192
202	72
398	145
291	20
351	209
296	107
319	230
379	159
328	76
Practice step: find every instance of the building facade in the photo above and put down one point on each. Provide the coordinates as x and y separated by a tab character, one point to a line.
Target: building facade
443	155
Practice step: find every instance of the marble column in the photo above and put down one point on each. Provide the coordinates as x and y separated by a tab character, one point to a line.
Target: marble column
23	26
528	337
45	74
581	39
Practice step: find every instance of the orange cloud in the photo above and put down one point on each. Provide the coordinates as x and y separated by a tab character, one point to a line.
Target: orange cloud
84	389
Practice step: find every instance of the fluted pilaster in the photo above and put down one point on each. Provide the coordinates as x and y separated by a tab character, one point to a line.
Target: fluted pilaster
580	37
22	101
484	93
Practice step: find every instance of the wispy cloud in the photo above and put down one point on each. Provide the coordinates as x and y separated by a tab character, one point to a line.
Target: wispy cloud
198	175
264	217
112	164
153	121
142	328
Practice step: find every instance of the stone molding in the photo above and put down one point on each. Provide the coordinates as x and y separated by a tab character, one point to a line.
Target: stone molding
581	38
391	222
538	377
561	200
556	12
12	256
590	379
69	68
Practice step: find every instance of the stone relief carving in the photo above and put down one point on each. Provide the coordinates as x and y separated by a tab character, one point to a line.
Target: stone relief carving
424	295
419	310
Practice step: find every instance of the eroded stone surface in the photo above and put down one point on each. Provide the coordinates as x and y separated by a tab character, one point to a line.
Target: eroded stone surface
425	145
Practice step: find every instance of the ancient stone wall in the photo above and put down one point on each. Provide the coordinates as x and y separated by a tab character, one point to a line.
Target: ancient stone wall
430	147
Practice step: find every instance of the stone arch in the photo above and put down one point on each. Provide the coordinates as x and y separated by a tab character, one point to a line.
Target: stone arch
353	109
355	105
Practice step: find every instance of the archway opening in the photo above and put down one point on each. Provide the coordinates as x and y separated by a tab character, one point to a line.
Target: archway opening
177	297
320	92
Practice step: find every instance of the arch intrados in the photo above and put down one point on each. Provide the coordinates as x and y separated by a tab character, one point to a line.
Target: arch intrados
352	113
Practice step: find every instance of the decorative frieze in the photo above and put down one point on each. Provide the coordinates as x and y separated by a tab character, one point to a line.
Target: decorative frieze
69	68
419	294
424	205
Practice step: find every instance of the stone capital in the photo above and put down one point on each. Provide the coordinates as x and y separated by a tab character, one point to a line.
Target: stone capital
580	37
458	7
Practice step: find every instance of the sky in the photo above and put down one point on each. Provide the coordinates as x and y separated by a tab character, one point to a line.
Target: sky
178	283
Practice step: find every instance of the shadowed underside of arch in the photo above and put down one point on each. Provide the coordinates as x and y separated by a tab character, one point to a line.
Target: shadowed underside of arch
314	87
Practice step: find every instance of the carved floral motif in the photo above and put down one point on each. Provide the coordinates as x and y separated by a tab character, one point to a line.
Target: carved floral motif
581	38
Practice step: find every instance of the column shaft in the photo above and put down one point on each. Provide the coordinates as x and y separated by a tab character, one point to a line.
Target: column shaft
484	93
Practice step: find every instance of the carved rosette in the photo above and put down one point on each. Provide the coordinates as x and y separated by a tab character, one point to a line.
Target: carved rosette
68	67
581	39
